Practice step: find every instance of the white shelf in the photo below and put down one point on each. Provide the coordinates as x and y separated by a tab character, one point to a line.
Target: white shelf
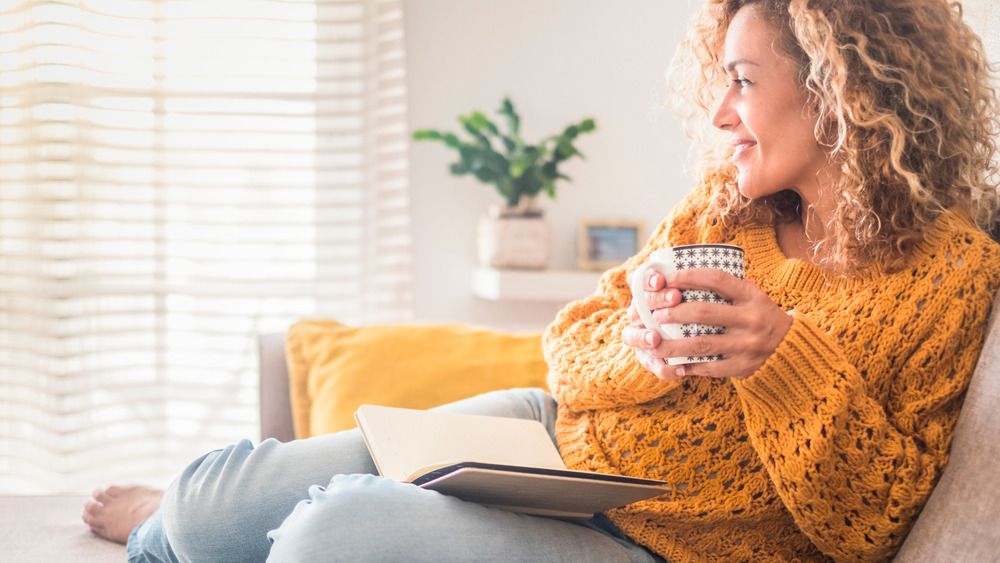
533	285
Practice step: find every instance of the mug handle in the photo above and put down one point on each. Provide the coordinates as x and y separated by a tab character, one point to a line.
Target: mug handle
668	332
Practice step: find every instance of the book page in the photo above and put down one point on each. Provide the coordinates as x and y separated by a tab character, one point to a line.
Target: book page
404	441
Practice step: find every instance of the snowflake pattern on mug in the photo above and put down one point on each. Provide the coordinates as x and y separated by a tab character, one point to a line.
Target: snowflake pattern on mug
726	258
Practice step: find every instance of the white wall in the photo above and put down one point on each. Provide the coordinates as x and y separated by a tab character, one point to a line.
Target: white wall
983	16
560	61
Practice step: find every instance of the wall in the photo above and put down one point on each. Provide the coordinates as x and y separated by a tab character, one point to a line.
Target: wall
983	16
560	61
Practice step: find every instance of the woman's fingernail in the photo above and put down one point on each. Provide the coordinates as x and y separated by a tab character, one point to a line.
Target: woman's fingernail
649	338
680	371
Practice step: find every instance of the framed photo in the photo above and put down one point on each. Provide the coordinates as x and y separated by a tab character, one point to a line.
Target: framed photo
606	244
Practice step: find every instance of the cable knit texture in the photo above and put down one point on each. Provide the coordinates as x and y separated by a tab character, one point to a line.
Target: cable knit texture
830	449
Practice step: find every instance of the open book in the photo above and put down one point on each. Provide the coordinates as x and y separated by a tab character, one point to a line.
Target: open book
506	463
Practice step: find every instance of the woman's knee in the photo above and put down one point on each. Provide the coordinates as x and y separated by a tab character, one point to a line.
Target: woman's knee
204	511
237	494
355	518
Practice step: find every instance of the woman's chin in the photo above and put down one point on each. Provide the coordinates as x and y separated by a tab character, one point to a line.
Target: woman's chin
752	190
746	188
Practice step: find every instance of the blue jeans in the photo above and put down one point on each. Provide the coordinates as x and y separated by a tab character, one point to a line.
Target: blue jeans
320	499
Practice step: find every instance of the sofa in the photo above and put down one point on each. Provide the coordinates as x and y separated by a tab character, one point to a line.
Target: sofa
313	377
960	522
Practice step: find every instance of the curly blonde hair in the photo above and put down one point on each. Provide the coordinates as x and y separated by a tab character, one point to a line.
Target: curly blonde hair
906	107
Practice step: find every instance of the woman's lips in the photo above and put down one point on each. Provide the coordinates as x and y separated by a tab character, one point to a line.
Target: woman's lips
741	146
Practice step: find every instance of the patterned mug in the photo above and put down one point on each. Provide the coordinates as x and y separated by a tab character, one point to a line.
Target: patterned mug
725	257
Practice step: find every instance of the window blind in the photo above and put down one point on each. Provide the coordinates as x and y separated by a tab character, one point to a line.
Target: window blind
177	177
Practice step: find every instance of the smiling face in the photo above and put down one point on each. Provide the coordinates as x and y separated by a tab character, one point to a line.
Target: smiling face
764	111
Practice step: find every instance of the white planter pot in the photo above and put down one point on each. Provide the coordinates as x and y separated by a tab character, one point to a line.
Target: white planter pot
514	242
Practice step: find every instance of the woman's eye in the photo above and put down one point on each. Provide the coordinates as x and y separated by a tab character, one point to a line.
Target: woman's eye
741	82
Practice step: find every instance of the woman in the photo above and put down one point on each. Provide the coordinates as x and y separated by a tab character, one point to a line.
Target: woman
853	177
854	172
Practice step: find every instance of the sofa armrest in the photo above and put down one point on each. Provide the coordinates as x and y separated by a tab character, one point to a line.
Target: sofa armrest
275	401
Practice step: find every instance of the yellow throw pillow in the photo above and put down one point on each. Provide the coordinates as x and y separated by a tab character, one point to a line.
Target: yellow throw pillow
334	368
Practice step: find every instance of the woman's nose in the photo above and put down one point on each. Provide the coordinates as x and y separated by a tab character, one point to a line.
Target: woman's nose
725	115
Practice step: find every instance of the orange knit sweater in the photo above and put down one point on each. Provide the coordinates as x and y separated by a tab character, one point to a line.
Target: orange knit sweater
830	449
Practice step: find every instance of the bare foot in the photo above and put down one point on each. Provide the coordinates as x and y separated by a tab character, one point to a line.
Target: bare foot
114	512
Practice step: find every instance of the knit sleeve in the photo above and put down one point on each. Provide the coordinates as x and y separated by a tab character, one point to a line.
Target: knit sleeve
589	365
855	472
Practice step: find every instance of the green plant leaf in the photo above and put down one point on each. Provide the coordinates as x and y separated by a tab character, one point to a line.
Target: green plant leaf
427	135
496	161
485	175
472	130
467	153
509	144
513	120
565	149
480	122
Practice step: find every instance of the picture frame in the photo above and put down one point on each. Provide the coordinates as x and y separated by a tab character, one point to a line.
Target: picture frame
605	244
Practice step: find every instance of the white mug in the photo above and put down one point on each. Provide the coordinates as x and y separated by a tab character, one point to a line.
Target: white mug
725	257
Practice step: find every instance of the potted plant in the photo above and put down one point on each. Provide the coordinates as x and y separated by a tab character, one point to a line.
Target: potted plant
513	234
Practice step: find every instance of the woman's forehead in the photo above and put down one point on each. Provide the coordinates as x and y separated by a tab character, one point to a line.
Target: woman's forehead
749	37
752	38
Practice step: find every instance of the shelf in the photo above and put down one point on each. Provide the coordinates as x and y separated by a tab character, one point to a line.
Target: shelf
533	285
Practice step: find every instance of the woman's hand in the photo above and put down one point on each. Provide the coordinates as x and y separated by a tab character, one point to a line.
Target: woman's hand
645	342
755	326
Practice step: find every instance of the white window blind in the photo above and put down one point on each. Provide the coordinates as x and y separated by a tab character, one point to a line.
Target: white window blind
177	177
